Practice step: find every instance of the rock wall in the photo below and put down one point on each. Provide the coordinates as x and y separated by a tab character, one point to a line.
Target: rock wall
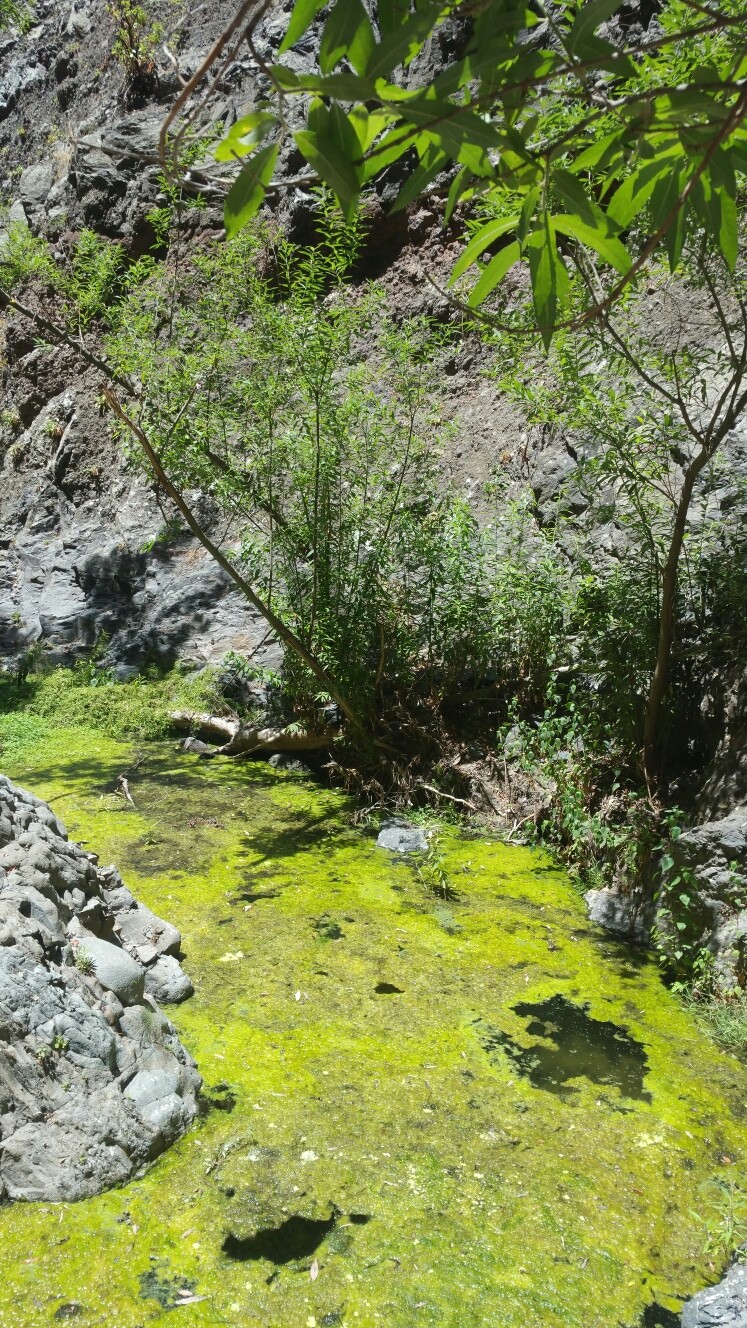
94	1082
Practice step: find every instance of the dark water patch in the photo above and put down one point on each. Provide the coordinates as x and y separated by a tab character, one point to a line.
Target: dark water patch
295	1238
221	1097
655	1316
388	989
583	1047
327	929
254	896
70	1310
170	1292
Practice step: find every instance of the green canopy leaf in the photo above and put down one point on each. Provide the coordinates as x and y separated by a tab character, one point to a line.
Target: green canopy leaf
249	188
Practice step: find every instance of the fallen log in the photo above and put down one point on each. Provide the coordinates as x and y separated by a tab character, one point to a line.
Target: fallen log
241	739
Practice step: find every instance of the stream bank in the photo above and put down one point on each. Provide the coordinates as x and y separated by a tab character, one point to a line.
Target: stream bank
411	1096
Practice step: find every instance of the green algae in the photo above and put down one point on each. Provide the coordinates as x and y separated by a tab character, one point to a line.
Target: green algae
374	1161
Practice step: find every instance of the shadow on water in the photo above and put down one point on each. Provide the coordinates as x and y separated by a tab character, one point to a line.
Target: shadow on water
289	834
583	1047
295	1238
655	1316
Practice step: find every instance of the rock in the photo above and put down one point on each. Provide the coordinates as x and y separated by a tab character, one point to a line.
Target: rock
714	855
94	1082
36	183
144	935
721	1306
626	915
17	213
284	761
116	970
401	838
167	982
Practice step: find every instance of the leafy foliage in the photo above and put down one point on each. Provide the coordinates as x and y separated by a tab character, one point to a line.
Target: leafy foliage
571	133
14	13
321	463
135	41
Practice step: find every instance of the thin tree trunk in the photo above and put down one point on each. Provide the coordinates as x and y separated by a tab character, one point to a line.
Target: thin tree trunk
287	636
669	585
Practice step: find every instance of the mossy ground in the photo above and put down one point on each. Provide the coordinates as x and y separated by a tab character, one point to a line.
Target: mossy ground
491	1202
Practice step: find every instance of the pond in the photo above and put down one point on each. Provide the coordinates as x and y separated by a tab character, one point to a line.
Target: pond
451	1111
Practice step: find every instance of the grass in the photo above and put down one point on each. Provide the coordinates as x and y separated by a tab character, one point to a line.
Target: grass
70	698
724	1019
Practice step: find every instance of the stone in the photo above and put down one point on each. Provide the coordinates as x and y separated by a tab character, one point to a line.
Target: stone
116	970
167	982
625	915
721	1306
145	935
402	838
94	1082
285	761
36	183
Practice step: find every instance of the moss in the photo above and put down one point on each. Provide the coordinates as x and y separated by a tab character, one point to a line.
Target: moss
490	1200
83	697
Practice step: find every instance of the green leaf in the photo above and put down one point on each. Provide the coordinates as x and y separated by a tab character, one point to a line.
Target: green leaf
433	161
487	235
590	16
249	188
345	86
347	32
392	146
600	154
637	188
450	124
572	193
610	249
527	211
392	14
244	135
729	231
459	186
333	166
368	125
402	44
494	273
543	269
302	16
663	200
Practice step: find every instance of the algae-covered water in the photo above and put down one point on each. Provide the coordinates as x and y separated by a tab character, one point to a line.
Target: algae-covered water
425	1111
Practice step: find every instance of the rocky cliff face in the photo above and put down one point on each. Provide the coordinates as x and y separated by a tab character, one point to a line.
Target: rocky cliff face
94	1082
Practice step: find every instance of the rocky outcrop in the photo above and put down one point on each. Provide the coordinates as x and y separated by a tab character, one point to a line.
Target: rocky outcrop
714	858
721	1306
630	916
94	1082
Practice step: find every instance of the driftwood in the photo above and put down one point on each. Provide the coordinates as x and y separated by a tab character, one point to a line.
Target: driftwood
239	739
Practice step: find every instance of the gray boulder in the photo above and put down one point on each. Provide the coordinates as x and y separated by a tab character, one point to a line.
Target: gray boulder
715	856
94	1082
624	915
36	183
400	838
721	1306
167	982
115	970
